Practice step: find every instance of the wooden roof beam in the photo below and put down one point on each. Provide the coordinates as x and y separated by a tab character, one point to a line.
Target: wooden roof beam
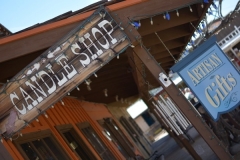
165	53
170	45
159	23
166	35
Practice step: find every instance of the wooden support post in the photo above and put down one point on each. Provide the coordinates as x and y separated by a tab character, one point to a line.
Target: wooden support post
183	105
133	60
121	17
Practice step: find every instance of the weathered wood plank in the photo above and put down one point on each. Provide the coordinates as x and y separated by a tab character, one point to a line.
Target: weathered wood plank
60	69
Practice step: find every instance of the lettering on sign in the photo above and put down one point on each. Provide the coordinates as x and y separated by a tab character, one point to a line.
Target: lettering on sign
212	77
60	69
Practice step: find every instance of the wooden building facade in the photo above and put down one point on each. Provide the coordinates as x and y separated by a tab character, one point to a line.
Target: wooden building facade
73	129
151	34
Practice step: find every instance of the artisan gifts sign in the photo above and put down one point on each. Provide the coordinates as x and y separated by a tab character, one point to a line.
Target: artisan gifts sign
59	70
212	77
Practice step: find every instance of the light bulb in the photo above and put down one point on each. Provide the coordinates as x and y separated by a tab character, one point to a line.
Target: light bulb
167	16
105	92
87	83
52	106
117	56
95	75
62	102
116	97
139	23
190	9
68	93
177	13
202	5
89	88
45	115
37	120
78	89
164	16
151	21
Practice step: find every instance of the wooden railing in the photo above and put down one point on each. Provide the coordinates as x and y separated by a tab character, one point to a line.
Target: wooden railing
229	37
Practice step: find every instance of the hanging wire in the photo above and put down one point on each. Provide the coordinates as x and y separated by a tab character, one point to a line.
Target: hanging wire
140	17
166	48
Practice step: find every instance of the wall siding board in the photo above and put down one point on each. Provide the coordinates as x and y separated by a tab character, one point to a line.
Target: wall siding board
73	112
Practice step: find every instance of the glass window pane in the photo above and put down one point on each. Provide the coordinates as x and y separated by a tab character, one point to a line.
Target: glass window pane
54	149
75	145
95	141
29	151
44	152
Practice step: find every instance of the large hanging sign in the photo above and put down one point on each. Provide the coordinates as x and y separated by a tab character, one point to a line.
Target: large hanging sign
59	70
212	77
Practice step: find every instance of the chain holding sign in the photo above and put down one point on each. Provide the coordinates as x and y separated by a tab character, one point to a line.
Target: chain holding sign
59	70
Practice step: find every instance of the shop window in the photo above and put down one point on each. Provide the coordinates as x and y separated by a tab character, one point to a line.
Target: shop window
40	146
117	137
95	141
148	118
75	142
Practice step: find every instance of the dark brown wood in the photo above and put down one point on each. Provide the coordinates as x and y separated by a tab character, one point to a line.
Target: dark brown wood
166	35
183	105
144	88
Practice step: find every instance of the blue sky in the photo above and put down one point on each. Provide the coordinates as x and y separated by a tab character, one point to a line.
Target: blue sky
20	14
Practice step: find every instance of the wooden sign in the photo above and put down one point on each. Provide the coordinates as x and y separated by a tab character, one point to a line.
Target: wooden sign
212	77
59	70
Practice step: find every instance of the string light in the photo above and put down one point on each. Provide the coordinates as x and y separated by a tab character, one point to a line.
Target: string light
45	114
194	35
78	88
203	25
132	46
89	88
177	13
95	75
62	102
52	106
135	24
205	1
69	93
1	139
151	21
202	5
37	120
214	6
118	56
199	31
116	97
167	16
21	134
164	16
139	23
87	82
105	92
210	12
190	8
122	100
